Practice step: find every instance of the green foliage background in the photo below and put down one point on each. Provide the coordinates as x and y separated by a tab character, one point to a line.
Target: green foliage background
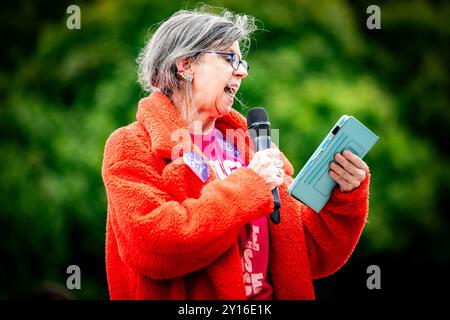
64	91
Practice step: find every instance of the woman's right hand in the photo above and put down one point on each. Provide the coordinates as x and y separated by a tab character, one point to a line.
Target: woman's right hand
268	165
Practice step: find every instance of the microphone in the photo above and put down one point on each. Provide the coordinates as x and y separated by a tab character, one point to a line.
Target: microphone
259	128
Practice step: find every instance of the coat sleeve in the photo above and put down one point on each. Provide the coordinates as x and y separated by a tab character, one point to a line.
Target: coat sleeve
332	234
161	237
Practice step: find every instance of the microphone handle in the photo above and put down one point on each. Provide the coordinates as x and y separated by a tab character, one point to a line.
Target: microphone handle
262	143
275	215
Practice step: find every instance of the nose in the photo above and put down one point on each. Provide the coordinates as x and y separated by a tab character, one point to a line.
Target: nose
241	72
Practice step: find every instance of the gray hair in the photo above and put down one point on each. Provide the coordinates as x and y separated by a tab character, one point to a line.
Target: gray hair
184	35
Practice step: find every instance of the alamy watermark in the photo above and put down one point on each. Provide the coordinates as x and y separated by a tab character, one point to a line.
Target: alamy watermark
74	280
74	20
374	20
374	280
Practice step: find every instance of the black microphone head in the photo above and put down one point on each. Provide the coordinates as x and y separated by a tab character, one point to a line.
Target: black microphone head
257	118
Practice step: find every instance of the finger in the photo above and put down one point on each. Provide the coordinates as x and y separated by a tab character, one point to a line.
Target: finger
357	161
346	164
275	180
343	184
266	163
351	182
357	173
275	152
275	171
270	152
280	172
352	175
278	163
279	179
345	175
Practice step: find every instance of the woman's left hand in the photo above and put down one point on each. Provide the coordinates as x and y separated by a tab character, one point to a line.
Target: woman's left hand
348	170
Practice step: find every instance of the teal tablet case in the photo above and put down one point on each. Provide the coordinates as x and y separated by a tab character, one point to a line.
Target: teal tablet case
313	185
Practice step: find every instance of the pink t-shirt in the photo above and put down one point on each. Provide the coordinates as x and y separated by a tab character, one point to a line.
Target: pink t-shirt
254	237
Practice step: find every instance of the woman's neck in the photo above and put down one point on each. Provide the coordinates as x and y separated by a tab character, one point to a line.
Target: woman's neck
201	122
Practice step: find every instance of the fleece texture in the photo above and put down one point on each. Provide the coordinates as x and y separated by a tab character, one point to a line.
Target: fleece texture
171	236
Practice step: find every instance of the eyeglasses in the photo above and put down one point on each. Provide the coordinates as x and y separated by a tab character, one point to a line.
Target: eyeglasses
233	58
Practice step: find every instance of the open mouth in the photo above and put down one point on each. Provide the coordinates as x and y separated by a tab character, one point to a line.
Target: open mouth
230	90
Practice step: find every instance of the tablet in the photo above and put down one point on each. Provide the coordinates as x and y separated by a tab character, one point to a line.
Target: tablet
313	185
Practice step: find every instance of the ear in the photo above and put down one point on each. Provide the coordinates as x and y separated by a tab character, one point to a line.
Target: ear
184	66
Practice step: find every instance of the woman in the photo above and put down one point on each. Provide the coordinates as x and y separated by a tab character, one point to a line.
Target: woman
188	202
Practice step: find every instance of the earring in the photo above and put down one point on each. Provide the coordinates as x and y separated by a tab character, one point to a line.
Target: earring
185	76
190	111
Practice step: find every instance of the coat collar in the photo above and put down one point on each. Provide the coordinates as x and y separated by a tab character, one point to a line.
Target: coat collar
161	120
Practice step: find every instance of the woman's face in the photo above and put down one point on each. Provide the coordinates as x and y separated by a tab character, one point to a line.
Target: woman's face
215	82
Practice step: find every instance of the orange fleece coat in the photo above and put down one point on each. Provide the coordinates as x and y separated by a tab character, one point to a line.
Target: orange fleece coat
171	236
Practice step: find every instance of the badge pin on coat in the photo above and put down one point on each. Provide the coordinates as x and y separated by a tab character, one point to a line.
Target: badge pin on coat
197	165
228	147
